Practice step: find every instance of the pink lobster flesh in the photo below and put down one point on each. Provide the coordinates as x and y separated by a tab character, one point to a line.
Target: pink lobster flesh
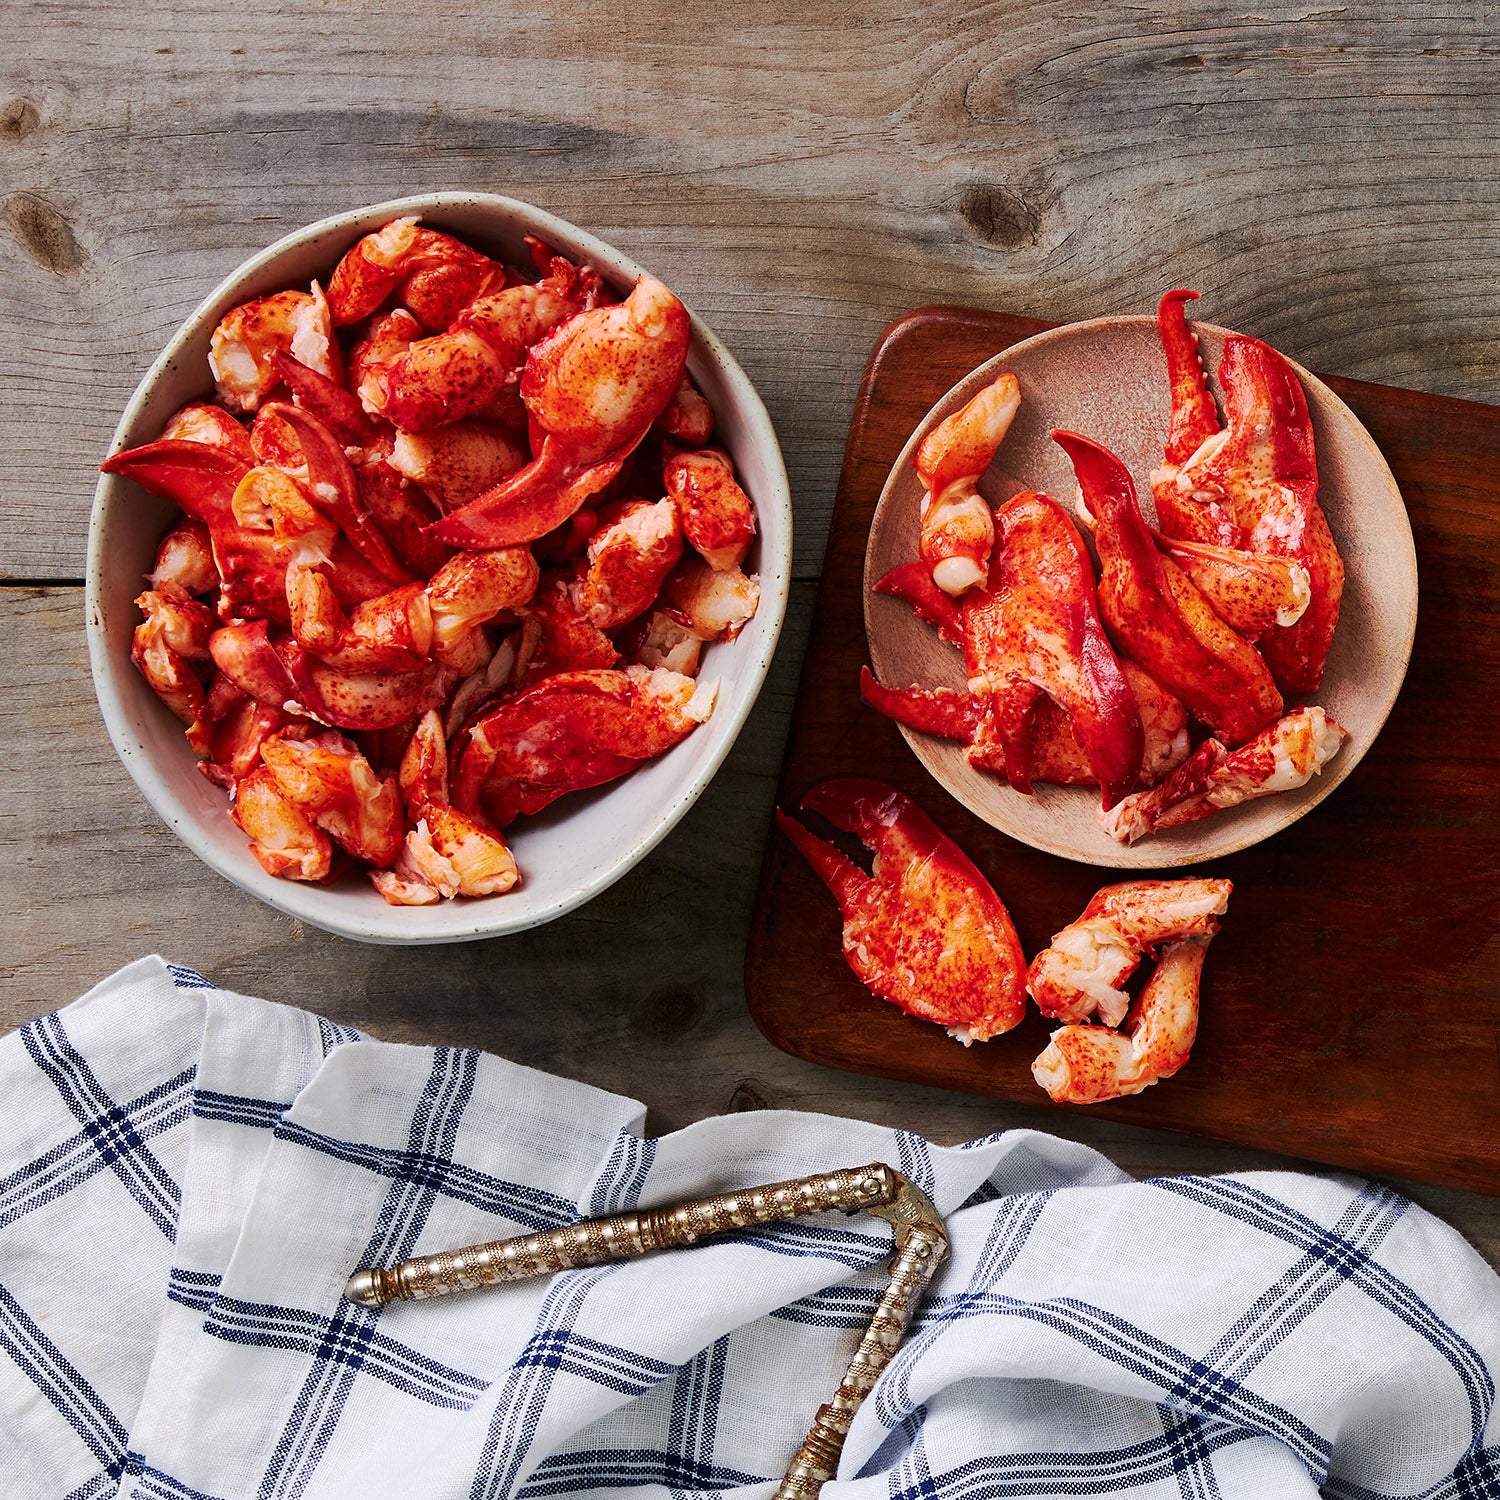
1084	969
1279	759
924	930
1251	483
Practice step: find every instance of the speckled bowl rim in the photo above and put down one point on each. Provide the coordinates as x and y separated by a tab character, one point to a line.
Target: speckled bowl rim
460	921
1150	853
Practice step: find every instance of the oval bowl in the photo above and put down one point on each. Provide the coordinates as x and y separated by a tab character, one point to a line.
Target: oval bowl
576	848
1107	378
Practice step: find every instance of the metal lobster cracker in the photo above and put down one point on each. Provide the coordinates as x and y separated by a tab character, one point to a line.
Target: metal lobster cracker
921	1245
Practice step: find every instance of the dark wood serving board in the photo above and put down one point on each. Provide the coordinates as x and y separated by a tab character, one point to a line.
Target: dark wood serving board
1350	1002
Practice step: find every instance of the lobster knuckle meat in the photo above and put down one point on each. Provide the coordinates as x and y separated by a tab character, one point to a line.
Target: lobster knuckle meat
657	640
244	346
471	588
388	338
174	635
423	776
229	734
718	520
1082	971
199	422
924	929
714	604
455	463
1157	614
688	418
282	837
572	731
350	582
185	561
1281	758
1089	1064
629	557
957	524
334	786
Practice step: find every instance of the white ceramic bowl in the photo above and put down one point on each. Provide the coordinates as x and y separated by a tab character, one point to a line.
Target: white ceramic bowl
581	844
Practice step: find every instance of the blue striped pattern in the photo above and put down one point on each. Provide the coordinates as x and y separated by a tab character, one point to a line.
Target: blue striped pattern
604	1386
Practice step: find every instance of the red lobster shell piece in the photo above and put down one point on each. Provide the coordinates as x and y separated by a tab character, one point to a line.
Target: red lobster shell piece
593	388
1082	971
575	730
1088	1064
1253	483
924	930
1157	614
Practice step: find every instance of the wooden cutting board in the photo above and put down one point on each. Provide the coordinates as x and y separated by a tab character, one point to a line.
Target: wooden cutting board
1350	1002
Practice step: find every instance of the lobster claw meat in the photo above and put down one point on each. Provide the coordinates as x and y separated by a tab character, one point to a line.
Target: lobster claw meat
1285	756
1055	754
571	731
1032	633
924	930
1083	970
200	477
592	388
1252	483
1251	592
958	528
1158	615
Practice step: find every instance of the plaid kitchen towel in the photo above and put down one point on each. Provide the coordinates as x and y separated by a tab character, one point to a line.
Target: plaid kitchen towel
187	1177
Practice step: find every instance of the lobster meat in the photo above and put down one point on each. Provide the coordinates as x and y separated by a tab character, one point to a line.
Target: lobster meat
924	930
449	512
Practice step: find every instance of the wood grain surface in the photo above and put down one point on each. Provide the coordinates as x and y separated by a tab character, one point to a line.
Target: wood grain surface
1348	1005
802	176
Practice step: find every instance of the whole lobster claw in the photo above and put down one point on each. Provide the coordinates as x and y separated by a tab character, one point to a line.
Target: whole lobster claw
1252	484
1157	613
924	930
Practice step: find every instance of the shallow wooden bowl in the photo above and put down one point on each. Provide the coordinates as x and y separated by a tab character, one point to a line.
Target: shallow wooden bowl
1107	378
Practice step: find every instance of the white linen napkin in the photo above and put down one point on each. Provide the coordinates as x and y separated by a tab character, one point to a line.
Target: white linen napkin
188	1176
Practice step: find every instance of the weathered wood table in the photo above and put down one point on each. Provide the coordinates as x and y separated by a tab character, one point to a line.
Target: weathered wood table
801	178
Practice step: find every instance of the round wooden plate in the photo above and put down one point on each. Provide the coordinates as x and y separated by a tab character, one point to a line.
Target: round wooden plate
1107	378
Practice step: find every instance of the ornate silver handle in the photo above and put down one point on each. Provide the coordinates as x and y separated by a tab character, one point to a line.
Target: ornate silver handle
921	1246
592	1242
